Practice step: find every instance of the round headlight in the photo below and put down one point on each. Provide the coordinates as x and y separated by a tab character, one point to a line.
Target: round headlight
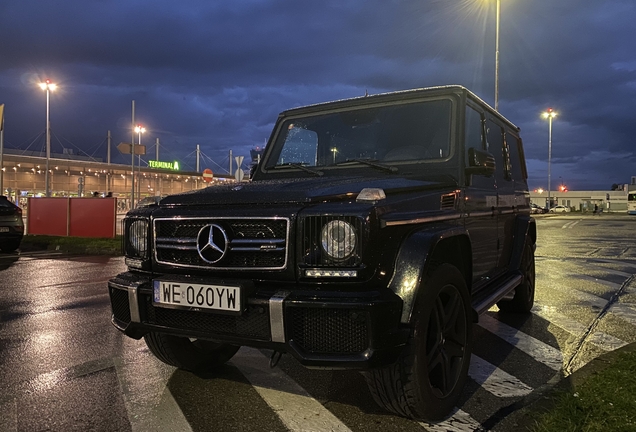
138	236
338	239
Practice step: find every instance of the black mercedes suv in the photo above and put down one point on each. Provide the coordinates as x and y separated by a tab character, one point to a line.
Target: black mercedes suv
372	235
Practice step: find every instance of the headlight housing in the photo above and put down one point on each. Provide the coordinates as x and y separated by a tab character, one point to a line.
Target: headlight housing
137	238
338	239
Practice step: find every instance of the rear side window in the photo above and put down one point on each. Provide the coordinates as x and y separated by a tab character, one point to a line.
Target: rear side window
517	159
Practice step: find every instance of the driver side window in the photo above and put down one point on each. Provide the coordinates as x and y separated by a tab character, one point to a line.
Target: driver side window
301	146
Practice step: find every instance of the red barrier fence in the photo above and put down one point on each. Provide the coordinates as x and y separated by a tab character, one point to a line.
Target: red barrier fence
75	217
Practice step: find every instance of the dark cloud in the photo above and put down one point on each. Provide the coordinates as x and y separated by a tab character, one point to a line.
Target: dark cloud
218	73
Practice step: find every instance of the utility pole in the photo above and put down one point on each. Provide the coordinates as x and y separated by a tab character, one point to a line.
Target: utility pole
132	129
230	163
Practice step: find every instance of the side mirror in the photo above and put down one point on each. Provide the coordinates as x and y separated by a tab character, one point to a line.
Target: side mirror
480	162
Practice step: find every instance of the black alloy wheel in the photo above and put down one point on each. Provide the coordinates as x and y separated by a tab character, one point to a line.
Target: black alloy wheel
428	377
446	341
523	299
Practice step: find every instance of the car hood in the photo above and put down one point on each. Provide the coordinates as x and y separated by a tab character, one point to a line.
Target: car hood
304	190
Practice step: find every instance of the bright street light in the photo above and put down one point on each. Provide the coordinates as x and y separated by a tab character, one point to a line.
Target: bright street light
139	129
47	86
549	114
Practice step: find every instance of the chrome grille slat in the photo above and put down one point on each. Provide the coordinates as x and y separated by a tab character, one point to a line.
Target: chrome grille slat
253	243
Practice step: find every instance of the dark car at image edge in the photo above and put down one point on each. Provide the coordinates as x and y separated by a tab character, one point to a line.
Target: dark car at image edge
374	232
11	225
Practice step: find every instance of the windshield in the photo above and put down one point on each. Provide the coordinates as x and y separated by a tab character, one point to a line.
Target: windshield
417	131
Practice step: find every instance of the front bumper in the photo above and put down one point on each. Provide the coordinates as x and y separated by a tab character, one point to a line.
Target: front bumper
335	330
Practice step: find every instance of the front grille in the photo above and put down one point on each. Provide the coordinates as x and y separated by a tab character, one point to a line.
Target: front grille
253	323
328	331
314	253
120	305
249	243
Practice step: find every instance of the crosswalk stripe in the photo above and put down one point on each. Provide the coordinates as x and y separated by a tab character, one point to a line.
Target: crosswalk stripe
460	421
294	406
601	339
494	380
538	350
149	404
621	310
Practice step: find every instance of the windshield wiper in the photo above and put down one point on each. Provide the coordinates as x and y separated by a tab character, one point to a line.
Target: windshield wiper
372	163
301	166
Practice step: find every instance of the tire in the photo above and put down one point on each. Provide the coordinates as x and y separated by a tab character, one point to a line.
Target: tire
428	377
523	300
196	356
10	245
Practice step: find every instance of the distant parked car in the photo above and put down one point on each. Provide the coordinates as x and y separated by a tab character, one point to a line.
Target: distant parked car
535	209
11	225
560	209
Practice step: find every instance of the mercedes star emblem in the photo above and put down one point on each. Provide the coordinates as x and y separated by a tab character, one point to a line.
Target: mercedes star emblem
212	243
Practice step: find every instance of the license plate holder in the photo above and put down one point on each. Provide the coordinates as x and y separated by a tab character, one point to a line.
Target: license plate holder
218	298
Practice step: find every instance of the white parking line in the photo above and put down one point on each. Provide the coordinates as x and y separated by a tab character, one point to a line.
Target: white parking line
569	225
602	340
621	310
536	349
294	406
495	380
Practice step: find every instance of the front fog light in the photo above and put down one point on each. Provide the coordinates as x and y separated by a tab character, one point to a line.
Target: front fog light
338	239
138	237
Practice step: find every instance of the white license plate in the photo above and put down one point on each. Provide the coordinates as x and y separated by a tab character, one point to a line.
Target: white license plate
4	229
189	295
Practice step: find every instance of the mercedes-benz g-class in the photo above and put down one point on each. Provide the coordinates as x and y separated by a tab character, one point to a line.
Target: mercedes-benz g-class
372	235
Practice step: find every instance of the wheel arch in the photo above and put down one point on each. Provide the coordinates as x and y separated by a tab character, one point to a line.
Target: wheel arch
420	252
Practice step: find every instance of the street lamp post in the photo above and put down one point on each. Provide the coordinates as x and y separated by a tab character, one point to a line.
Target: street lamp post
497	58
47	86
549	114
139	129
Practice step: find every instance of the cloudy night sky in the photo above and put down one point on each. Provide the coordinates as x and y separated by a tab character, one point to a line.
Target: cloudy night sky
217	73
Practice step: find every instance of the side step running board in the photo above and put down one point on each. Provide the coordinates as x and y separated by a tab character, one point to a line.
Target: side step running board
485	303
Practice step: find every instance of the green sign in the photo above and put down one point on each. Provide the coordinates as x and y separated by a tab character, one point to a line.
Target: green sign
165	165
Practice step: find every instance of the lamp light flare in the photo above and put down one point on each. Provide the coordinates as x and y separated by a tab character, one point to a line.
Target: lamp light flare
549	113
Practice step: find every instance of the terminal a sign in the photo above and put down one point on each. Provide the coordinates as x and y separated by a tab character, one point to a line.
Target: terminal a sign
164	165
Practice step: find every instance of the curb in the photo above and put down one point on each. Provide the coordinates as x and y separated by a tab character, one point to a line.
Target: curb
524	418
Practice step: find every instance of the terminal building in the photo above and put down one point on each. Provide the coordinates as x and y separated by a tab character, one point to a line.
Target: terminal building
23	176
620	200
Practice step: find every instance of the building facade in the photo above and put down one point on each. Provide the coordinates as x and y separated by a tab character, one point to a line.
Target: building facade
23	176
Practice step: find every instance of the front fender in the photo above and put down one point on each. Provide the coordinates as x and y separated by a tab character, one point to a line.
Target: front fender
414	259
